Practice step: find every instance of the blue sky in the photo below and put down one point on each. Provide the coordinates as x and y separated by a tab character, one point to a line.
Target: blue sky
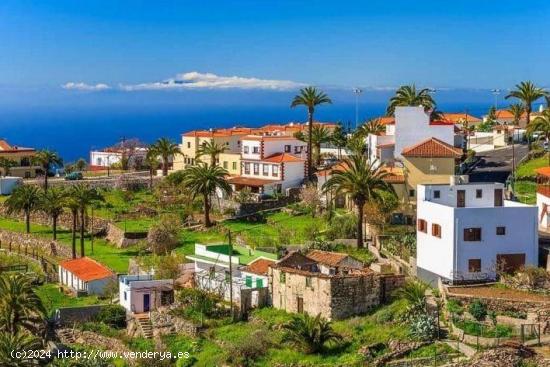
445	44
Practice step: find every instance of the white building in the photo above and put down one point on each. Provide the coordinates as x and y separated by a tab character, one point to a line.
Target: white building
132	149
270	164
410	126
467	231
142	293
85	275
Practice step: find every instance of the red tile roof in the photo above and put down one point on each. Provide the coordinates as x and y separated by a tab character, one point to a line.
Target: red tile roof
281	158
543	171
456	118
249	181
434	148
442	123
326	257
386	120
86	269
259	266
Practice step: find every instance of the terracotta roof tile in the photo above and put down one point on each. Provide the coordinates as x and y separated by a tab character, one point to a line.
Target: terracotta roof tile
543	171
86	269
249	181
326	257
281	158
434	148
258	266
459	117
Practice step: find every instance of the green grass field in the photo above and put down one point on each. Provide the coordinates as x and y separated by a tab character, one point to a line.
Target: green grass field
526	191
53	298
527	168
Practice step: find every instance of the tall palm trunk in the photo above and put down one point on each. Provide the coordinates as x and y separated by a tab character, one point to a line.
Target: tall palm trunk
75	214
82	252
28	220
46	179
150	178
360	205
309	144
207	222
54	227
165	166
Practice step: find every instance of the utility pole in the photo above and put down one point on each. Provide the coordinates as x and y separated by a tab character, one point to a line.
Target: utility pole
92	230
230	275
357	92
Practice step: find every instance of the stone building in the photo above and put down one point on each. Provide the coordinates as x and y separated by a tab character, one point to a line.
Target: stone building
302	284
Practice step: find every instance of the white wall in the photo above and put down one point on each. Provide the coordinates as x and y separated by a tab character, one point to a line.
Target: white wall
544	222
448	194
272	146
71	281
270	168
294	174
131	292
412	126
251	144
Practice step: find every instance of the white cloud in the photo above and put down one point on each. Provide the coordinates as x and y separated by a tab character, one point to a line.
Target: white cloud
85	87
196	80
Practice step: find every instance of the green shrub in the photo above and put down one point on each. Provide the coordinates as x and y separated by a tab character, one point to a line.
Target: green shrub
478	309
112	315
454	307
342	226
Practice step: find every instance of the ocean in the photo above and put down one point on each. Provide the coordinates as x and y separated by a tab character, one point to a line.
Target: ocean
74	131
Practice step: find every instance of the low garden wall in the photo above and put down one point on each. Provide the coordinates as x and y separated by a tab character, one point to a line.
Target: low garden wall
478	340
67	316
123	239
26	243
166	324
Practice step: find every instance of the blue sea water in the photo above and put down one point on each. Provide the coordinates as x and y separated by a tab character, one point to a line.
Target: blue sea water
74	131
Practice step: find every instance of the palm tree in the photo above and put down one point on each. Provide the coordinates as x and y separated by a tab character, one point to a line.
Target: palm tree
541	124
373	126
363	182
310	97
152	162
311	333
26	199
205	180
84	196
414	292
6	164
166	149
73	206
52	202
407	95
20	306
527	92
339	138
47	159
357	144
212	150
20	342
319	136
517	110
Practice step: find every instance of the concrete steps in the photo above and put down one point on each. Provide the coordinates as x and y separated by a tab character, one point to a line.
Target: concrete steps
145	325
67	336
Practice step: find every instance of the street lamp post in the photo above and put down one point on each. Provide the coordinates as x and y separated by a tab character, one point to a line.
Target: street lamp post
357	92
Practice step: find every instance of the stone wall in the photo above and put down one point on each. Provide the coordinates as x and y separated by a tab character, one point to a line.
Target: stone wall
123	239
334	297
26	242
164	323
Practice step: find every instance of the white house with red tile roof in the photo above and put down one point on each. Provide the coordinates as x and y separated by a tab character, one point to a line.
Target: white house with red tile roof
270	164
85	275
255	274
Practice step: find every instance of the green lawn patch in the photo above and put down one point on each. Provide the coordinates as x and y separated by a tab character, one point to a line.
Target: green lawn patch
115	258
53	298
477	329
526	191
528	167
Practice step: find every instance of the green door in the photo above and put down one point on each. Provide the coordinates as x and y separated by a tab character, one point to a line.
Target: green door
259	283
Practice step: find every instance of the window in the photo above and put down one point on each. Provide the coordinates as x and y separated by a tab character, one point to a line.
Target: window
422	225
25	162
234	166
460	198
436	230
437	194
501	231
472	234
297	149
255	150
479	194
474	265
498	197
248	281
411	193
225	164
188	144
259	283
282	277
275	170
245	149
287	148
256	168
247	168
125	296
265	169
308	282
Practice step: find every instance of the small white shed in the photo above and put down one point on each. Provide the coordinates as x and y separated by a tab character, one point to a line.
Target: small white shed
85	274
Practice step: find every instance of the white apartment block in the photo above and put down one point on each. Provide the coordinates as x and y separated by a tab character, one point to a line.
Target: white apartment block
468	231
410	126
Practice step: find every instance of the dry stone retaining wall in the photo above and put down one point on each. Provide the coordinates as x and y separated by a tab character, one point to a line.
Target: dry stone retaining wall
22	242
